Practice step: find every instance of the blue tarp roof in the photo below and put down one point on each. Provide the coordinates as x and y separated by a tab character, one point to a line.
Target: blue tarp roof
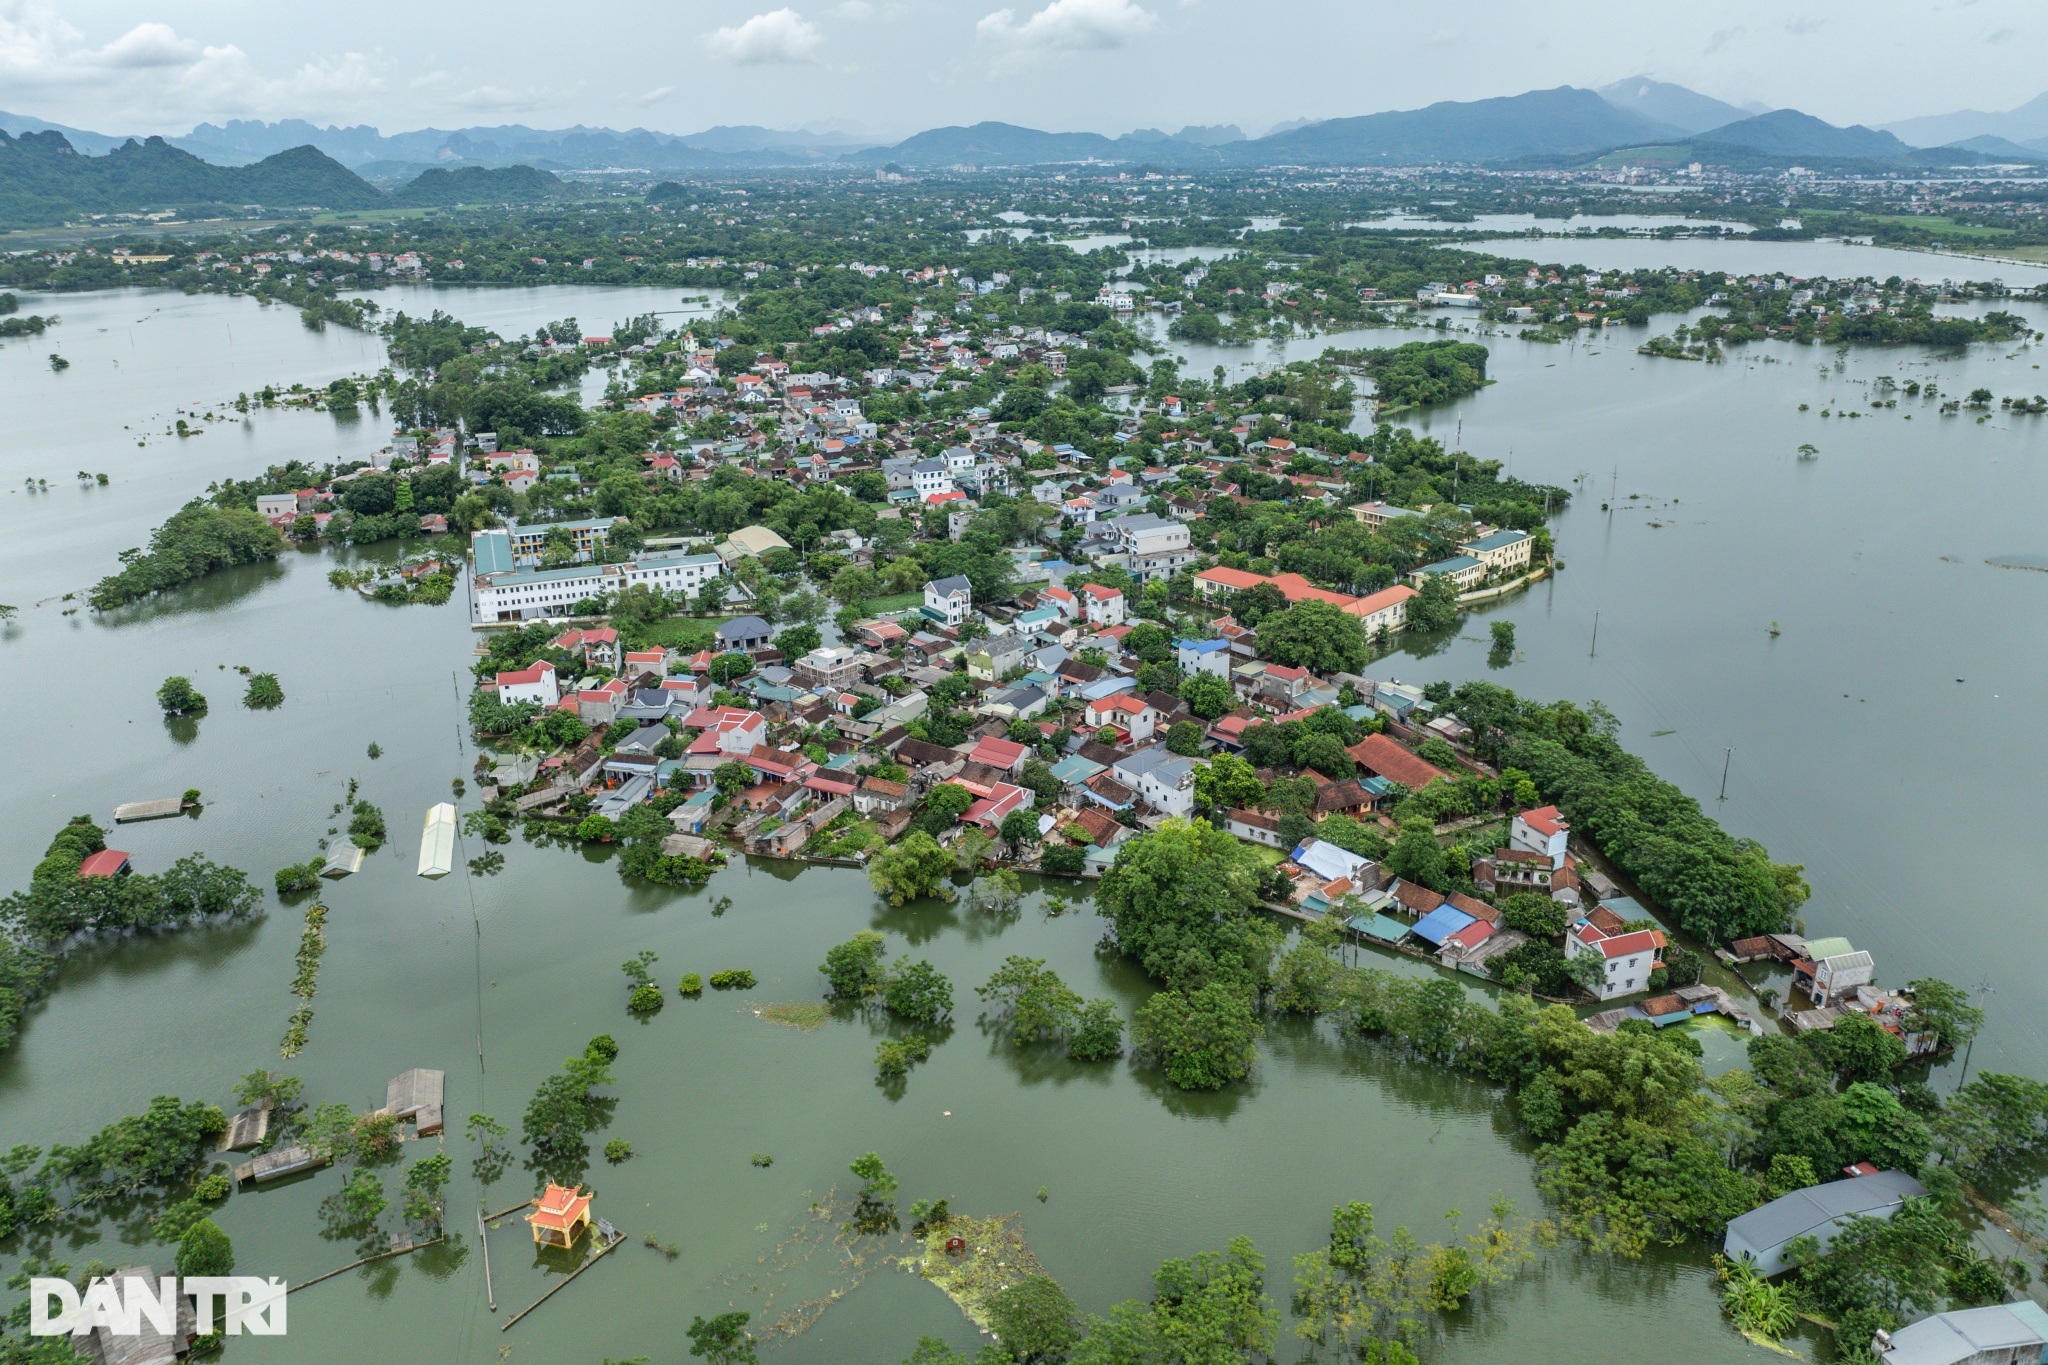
1440	923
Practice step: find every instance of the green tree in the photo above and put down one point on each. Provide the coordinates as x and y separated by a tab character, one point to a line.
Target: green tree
1098	1034
722	1340
1503	633
1227	782
1943	1010
854	969
424	1184
1180	901
732	777
1019	827
205	1250
1030	1001
917	991
1207	695
1203	1040
1033	1319
1184	737
912	868
1417	857
876	1182
1316	636
1538	916
178	697
1434	606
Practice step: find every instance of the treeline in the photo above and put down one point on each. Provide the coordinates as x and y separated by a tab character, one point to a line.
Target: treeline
196	540
59	906
1716	886
1420	373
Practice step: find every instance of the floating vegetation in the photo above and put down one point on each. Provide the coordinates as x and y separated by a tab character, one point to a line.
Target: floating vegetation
806	1015
295	1033
654	1243
312	943
814	1250
733	979
973	1259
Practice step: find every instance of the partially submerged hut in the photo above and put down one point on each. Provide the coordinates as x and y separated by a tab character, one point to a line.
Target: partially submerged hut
343	860
437	842
279	1164
417	1095
149	810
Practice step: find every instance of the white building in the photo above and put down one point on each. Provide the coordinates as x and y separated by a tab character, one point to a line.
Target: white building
508	593
931	478
1105	606
1628	958
949	601
1203	656
1541	831
1165	780
536	684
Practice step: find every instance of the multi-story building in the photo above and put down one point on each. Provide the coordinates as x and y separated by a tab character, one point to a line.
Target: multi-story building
506	591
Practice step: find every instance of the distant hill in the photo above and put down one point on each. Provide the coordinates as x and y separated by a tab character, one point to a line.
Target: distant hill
1539	123
1211	134
995	144
1662	102
43	180
91	144
2022	125
439	188
579	148
2001	149
1787	132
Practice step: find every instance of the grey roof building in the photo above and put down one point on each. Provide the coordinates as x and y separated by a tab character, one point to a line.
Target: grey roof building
745	632
1817	1211
2000	1334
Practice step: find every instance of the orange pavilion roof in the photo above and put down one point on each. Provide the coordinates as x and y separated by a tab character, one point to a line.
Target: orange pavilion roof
560	1207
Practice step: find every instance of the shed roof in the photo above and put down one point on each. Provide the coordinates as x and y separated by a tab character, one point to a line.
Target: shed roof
1802	1211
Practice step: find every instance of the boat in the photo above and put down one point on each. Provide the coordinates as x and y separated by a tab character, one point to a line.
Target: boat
437	842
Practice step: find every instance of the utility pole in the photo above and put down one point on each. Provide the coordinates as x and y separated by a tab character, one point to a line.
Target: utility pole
1726	757
1984	988
1595	651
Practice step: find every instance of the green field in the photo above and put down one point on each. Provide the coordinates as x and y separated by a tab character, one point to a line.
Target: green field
902	601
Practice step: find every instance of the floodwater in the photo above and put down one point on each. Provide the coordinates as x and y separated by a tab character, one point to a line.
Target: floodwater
1904	799
1586	223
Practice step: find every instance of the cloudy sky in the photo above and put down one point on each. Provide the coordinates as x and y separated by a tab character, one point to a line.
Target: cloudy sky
894	66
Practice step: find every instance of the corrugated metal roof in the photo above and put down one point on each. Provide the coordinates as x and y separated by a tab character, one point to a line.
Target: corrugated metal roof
437	842
1801	1211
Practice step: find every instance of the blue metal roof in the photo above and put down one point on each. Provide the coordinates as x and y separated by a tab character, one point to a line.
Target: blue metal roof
1440	923
1201	646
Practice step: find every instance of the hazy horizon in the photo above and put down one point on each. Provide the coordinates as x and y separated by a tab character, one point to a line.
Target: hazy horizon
887	68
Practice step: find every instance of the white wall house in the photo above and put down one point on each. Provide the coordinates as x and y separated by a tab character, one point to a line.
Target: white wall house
949	601
1105	606
536	684
1628	959
1541	831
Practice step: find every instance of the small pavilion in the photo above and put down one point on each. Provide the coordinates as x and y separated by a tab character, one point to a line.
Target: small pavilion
561	1218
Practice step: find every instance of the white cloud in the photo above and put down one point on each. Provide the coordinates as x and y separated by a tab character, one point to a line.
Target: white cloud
153	78
779	37
853	9
1069	26
657	94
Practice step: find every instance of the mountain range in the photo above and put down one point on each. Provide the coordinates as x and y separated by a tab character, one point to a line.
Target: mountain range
2026	126
49	172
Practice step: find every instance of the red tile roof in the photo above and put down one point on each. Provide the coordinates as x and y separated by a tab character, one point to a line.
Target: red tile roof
104	863
1545	820
1382	756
